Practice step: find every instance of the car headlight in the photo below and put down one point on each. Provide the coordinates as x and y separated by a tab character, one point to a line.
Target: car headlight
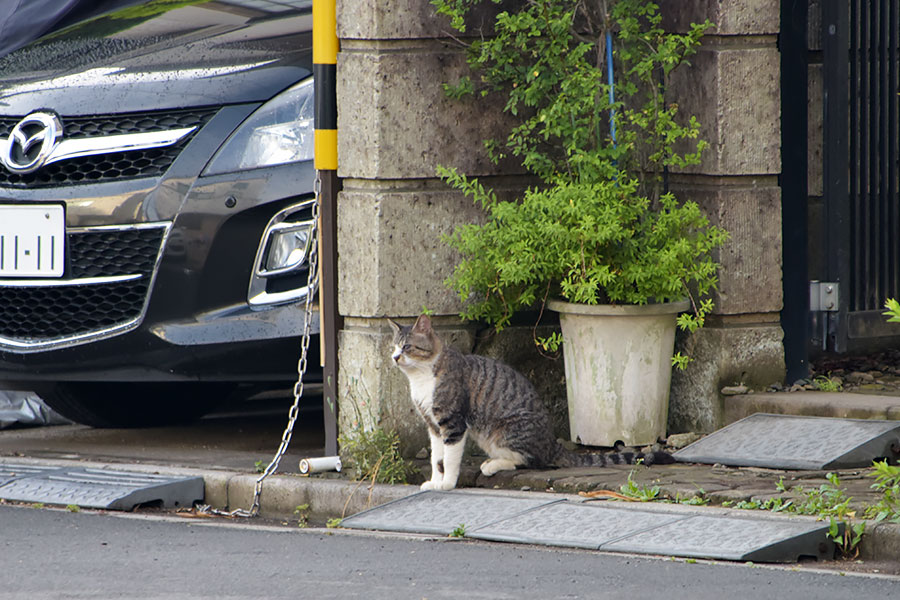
278	132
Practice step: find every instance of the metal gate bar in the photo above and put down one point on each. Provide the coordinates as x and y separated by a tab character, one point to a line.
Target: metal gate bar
873	152
795	185
862	147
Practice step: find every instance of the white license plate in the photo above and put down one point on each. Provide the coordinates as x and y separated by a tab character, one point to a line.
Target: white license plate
32	240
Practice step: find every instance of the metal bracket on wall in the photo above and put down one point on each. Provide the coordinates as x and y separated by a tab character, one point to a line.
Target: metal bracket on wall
824	296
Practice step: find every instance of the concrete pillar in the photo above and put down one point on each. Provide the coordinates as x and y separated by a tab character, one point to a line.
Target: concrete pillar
396	125
733	86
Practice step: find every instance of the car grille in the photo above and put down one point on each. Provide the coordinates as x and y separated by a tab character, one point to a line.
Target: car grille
38	315
99	253
112	166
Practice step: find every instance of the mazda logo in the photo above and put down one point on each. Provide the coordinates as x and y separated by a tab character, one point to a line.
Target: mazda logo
31	142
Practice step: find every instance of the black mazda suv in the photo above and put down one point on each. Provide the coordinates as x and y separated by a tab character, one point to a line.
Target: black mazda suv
156	196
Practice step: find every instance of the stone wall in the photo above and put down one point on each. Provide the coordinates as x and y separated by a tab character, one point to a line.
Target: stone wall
395	126
733	86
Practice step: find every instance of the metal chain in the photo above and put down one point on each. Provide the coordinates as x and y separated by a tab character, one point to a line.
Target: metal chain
311	287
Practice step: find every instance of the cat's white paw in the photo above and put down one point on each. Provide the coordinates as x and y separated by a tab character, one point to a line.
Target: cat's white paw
445	485
494	465
431	485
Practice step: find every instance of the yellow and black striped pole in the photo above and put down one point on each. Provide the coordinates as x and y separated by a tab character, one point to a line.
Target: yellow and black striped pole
325	49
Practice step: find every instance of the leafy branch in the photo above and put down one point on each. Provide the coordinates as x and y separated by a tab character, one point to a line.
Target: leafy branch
599	228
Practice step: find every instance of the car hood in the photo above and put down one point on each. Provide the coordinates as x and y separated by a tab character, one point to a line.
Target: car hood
152	56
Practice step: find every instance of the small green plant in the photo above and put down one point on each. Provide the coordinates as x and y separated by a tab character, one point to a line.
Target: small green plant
333	523
37	505
74	508
550	343
828	501
827	384
699	500
770	504
887	481
372	449
600	227
893	310
458	531
846	534
639	492
375	454
302	512
260	466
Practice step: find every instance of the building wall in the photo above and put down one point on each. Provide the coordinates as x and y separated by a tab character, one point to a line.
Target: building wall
395	126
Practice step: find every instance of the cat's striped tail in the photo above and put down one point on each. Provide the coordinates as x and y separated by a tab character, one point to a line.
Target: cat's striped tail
567	458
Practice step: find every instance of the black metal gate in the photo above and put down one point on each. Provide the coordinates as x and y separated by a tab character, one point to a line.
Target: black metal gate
861	173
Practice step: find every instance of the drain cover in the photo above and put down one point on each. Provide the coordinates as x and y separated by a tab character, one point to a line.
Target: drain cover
96	488
794	442
441	512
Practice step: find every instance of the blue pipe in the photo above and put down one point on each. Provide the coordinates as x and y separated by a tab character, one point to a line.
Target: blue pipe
612	97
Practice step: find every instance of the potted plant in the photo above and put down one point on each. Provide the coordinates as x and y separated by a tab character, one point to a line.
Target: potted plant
599	235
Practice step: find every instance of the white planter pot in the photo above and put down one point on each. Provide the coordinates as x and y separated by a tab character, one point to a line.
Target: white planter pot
618	368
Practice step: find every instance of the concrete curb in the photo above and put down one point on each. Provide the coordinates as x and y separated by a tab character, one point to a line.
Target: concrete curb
841	405
329	498
281	494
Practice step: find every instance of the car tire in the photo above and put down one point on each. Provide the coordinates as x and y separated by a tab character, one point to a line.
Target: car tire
129	405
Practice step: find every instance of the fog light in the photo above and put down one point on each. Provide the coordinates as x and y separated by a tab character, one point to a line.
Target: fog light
287	247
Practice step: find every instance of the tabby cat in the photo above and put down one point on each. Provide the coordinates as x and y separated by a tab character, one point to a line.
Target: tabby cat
464	394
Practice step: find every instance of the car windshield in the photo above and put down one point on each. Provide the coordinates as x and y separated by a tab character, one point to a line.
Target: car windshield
80	33
23	21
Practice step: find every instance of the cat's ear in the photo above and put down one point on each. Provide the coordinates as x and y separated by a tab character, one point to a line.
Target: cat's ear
394	326
423	324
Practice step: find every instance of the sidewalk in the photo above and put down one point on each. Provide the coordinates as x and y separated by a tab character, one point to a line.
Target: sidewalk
331	495
713	485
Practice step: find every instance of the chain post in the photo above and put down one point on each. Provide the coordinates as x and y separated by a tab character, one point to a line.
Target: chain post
312	285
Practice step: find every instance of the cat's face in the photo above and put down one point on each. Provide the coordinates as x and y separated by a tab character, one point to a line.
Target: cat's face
414	346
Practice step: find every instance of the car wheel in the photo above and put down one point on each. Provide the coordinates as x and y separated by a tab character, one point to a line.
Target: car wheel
113	405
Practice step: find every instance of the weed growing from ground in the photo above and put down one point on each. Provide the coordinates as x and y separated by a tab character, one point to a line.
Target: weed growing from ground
458	531
827	384
371	448
887	481
828	501
641	493
302	512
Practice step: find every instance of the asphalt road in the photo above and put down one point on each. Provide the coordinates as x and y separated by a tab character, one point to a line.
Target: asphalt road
53	553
